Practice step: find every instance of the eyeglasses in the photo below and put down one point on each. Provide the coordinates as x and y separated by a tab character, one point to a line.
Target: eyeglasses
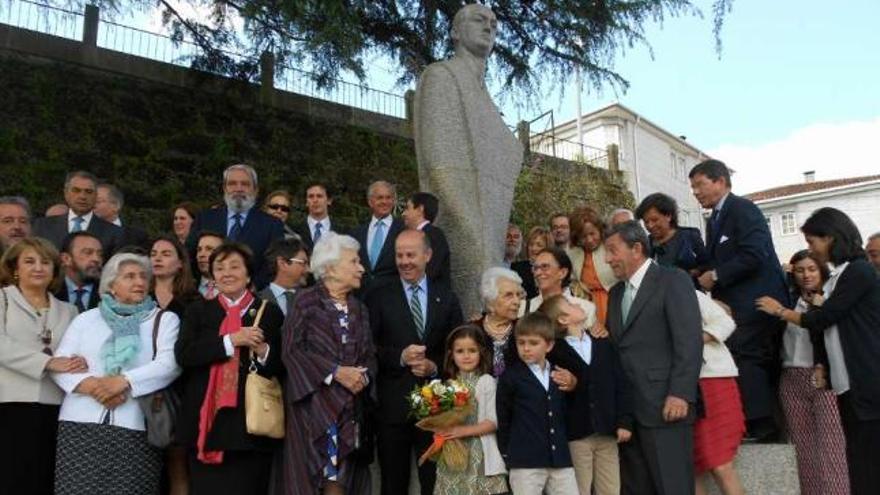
284	208
298	261
542	267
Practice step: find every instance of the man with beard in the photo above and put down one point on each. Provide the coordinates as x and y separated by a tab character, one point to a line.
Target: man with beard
239	220
512	244
15	221
80	194
205	246
561	230
82	258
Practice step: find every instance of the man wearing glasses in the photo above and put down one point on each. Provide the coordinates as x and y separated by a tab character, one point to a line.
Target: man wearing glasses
288	264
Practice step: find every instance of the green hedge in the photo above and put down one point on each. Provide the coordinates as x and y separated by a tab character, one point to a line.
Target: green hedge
162	145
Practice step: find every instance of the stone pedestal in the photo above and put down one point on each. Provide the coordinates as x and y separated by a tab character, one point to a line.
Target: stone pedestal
769	469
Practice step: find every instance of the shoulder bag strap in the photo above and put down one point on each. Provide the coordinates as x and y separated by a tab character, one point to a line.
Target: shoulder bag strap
156	322
256	324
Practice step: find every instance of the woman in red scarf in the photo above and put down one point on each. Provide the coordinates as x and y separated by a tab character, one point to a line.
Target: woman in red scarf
216	340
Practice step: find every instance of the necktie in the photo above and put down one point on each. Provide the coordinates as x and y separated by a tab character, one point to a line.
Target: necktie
288	300
235	231
78	302
378	242
713	221
318	227
415	307
78	224
626	302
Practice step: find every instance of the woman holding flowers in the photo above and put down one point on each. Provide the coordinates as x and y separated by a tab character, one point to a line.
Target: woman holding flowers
468	361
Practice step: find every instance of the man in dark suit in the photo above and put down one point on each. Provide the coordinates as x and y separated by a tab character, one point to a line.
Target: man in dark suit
82	259
15	221
288	264
108	205
239	220
80	194
420	213
317	222
743	267
410	317
377	236
654	320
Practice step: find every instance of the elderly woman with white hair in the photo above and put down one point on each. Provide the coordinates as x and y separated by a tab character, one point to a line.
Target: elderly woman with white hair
330	361
101	435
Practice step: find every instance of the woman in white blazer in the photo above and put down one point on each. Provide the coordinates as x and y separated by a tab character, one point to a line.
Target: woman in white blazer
720	428
101	431
32	322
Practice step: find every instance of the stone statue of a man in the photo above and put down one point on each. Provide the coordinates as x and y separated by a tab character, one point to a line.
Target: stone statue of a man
467	156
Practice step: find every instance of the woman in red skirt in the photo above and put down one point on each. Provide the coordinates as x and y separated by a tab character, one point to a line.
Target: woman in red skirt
718	433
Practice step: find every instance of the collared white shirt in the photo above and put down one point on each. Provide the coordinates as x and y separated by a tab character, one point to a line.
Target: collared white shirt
230	220
422	225
720	203
87	219
423	295
371	232
638	277
543	375
836	361
280	296
797	349
583	345
313	224
117	222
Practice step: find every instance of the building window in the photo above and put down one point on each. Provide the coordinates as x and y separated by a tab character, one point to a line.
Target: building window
789	223
682	169
673	165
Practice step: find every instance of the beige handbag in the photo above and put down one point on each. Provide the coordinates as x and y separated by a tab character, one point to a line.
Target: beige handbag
263	403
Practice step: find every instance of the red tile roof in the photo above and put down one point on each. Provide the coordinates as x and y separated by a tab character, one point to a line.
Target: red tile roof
804	187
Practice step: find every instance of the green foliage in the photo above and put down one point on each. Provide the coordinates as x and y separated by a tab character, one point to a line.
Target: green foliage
539	42
162	145
550	186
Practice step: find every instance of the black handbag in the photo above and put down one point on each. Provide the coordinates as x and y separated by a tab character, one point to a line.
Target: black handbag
160	408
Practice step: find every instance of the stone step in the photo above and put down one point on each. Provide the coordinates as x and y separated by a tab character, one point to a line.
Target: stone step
765	469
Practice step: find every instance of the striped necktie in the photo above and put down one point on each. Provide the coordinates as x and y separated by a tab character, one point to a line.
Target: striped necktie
415	307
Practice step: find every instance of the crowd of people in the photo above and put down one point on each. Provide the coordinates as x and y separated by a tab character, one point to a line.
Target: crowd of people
614	354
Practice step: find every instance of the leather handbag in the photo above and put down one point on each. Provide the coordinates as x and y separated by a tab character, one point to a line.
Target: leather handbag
263	402
160	407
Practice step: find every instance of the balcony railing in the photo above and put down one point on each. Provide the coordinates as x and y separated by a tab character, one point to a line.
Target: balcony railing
118	37
551	145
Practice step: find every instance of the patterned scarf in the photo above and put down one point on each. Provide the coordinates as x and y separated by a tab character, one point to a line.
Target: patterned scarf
124	321
222	382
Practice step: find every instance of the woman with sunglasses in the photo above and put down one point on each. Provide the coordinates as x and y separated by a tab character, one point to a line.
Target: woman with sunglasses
278	204
32	322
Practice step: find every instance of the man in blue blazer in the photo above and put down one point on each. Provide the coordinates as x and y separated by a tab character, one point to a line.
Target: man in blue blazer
743	267
377	236
239	220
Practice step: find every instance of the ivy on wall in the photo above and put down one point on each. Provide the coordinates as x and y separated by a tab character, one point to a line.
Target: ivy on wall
162	144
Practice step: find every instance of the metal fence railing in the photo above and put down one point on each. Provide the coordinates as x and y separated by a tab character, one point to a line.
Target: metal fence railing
118	37
42	18
354	95
549	144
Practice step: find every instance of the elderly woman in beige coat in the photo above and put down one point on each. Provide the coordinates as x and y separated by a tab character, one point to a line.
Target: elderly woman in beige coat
32	322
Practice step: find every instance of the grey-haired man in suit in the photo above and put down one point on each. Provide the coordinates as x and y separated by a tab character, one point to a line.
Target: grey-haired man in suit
654	320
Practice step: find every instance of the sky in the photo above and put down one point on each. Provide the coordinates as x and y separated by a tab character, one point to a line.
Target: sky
795	88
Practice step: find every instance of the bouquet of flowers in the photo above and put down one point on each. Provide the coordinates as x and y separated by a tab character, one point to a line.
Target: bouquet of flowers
438	406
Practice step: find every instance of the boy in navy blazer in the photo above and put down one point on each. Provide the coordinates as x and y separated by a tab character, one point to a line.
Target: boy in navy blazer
531	416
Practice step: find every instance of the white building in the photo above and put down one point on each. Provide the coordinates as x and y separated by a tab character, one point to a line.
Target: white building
786	208
652	158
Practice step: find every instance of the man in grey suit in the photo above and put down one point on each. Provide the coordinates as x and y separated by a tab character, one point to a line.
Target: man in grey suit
80	194
654	320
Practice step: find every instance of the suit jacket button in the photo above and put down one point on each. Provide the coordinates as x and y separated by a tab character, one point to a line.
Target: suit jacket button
553	447
550	414
552	431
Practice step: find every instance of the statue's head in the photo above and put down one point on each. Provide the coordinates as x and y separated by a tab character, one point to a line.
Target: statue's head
473	29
